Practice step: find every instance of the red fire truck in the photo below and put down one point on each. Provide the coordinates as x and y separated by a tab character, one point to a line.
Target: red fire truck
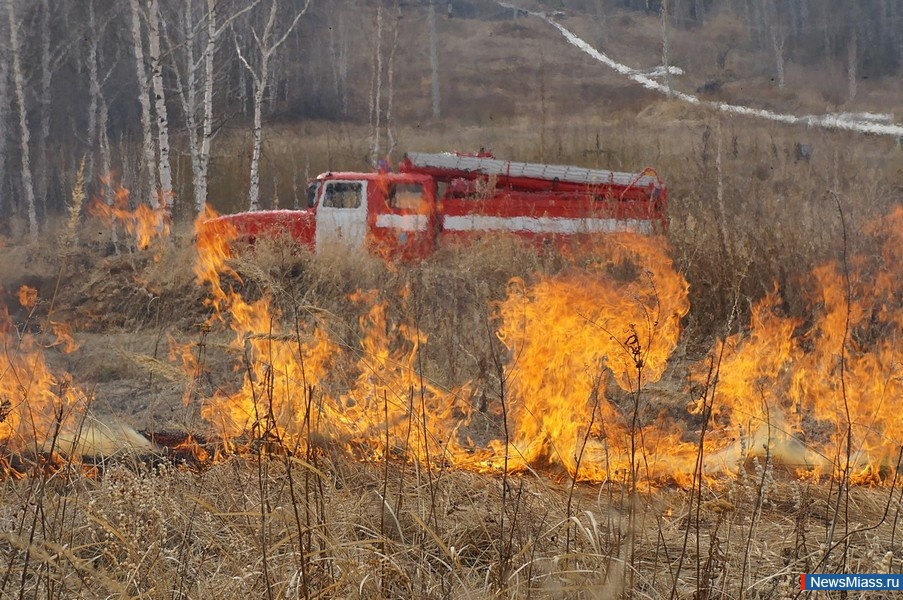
435	199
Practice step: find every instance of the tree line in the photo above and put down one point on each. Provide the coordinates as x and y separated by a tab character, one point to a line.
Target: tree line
130	88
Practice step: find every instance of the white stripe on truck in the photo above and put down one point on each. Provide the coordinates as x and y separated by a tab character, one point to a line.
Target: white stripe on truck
402	222
544	224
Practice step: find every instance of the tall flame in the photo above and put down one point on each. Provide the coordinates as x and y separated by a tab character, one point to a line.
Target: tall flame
37	407
618	319
825	390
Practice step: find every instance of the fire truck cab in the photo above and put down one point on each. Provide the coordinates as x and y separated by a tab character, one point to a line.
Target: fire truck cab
392	214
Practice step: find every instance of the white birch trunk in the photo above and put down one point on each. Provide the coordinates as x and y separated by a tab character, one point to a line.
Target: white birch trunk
93	89
201	143
186	88
166	192
200	176
335	61
24	137
147	132
192	102
777	43
104	148
376	106
343	67
106	167
390	137
254	186
260	79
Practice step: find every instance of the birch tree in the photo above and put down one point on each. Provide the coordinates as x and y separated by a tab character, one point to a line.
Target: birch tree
165	170
94	92
98	117
149	182
15	52
266	42
778	38
376	87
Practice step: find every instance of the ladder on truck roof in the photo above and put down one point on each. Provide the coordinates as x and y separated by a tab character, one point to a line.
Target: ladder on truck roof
448	165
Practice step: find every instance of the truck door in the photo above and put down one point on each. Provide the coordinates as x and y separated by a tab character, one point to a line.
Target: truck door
342	215
405	224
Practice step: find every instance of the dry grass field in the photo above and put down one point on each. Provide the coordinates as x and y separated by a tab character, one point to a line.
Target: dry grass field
703	415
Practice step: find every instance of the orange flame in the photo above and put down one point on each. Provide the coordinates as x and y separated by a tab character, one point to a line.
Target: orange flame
28	297
143	223
36	406
618	319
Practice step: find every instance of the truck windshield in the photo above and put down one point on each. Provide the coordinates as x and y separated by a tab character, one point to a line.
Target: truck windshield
343	194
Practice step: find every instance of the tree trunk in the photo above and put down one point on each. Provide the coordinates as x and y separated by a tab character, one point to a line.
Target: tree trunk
666	46
434	59
259	78
43	164
166	192
376	90
338	54
149	181
777	42
254	187
6	207
24	137
200	181
896	33
186	88
852	65
390	137
93	90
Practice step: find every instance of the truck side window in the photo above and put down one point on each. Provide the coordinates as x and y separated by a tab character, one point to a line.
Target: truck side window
406	196
343	194
312	190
